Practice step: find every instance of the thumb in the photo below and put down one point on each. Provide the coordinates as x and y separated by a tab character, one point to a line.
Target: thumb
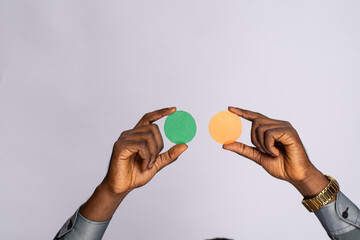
169	156
244	150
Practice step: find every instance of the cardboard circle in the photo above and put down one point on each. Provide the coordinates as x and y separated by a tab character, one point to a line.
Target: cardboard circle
180	127
225	127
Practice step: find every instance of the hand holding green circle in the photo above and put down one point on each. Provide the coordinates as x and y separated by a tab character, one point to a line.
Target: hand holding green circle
180	127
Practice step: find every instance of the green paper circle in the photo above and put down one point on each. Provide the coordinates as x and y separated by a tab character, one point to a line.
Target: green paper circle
180	127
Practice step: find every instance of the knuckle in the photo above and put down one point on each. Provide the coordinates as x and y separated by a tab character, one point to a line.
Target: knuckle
289	130
146	116
149	134
256	121
267	134
167	155
142	145
292	131
260	128
244	149
259	120
257	157
259	115
153	127
152	139
156	127
124	133
118	145
287	123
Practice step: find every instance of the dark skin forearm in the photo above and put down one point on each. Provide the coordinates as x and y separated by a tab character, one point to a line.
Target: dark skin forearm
102	204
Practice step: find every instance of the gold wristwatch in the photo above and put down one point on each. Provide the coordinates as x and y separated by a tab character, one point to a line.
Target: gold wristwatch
324	197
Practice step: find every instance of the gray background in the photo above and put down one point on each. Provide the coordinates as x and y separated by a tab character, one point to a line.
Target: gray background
75	74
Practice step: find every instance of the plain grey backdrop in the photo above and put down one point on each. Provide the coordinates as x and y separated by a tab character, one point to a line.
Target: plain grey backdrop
75	74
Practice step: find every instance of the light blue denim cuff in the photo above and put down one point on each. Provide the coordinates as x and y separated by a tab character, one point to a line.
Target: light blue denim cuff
340	216
78	227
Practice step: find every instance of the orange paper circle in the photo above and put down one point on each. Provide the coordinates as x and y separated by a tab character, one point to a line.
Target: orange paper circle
225	127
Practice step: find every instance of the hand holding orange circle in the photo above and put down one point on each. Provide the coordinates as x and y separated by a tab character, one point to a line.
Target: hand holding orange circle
225	127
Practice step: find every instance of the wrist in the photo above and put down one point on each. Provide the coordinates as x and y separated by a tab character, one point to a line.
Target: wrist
112	188
105	189
102	204
312	185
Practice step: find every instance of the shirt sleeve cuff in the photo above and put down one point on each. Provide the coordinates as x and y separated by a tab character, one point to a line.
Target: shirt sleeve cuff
340	216
79	227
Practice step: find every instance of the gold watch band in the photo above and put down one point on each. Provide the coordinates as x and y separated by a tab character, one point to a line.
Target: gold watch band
324	197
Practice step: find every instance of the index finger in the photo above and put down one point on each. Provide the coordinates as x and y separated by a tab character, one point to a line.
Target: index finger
247	114
151	117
